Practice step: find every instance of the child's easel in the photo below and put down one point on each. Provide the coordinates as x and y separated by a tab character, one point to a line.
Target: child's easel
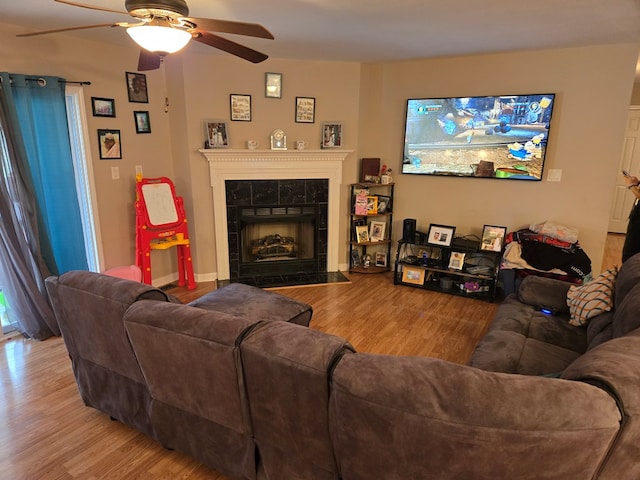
160	224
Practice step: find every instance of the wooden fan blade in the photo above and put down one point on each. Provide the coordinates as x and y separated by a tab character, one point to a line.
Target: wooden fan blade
226	26
230	47
68	29
91	7
148	60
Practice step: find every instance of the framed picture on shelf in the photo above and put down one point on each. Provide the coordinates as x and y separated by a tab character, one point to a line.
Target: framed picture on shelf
103	107
456	261
413	275
381	259
215	134
355	258
240	107
143	124
493	238
372	205
384	204
362	233
440	235
376	231
305	110
331	135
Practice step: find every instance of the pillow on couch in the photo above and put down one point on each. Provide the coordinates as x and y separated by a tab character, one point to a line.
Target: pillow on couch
591	299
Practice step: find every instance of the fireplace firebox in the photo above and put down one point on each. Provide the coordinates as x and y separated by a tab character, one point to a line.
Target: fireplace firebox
276	228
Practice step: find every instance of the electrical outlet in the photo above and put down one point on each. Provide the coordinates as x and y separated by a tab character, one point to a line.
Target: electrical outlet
139	170
554	175
115	173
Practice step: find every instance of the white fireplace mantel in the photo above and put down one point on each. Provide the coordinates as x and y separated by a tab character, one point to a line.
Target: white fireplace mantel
229	164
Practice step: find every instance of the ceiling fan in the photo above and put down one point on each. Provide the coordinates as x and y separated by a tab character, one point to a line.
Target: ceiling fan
163	27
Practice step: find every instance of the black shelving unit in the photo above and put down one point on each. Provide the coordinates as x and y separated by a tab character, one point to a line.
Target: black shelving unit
359	249
420	265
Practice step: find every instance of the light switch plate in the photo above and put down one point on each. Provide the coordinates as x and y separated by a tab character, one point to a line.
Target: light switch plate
554	175
115	173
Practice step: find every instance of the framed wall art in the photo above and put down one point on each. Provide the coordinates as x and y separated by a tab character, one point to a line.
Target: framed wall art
440	235
215	134
331	135
273	85
109	141
240	107
103	107
493	238
143	124
137	87
305	110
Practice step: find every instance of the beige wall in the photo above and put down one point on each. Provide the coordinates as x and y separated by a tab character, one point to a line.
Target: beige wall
593	88
369	100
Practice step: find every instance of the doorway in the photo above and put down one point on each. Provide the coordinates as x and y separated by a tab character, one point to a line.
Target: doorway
630	162
82	166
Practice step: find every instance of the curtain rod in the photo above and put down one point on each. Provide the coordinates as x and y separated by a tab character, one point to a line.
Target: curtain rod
41	81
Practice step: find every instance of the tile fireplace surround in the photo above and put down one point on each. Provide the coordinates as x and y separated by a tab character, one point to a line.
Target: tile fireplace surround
228	164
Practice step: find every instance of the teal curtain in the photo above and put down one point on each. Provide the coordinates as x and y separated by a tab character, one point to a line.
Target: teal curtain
36	106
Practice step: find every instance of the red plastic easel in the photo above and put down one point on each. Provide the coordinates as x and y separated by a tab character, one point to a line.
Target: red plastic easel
161	224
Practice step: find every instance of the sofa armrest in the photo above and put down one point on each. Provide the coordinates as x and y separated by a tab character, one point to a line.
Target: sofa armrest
544	292
414	417
615	366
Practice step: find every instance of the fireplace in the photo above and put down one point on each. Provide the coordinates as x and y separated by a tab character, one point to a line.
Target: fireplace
276	228
287	168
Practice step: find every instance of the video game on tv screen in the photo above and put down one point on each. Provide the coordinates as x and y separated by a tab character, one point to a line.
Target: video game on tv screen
503	136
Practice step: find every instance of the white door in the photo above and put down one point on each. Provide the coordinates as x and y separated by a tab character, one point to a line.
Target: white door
629	161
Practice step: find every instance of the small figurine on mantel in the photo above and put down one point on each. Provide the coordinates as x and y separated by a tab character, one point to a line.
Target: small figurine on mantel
385	175
366	261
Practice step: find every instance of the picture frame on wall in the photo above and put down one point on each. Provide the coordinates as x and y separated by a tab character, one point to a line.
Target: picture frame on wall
273	85
240	107
103	107
109	144
305	110
141	119
331	135
137	87
216	134
493	238
440	235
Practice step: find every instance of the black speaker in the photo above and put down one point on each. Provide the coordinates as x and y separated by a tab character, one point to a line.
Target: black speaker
409	230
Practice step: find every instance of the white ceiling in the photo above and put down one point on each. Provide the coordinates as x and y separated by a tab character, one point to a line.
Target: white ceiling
374	30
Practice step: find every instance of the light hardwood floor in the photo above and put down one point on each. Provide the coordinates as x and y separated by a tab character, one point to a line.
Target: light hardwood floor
47	433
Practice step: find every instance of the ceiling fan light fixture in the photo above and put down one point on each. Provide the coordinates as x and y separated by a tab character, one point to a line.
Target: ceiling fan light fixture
158	38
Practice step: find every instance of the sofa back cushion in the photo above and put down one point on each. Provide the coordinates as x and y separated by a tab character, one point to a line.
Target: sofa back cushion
287	371
628	278
190	360
89	308
412	417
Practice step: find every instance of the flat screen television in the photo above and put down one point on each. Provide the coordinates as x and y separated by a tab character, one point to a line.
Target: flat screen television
503	136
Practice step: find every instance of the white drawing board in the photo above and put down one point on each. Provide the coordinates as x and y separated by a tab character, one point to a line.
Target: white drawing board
160	203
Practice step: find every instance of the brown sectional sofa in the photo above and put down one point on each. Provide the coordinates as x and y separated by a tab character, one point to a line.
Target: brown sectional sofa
258	398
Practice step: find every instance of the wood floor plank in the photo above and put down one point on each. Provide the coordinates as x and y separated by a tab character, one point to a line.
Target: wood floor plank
49	434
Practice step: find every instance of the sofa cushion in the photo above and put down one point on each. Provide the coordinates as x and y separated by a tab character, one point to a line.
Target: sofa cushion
255	303
525	341
544	292
628	277
591	299
626	317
